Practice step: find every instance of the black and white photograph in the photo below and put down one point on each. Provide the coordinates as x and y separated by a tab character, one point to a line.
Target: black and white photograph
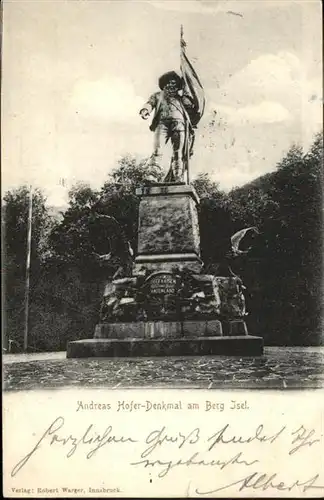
162	176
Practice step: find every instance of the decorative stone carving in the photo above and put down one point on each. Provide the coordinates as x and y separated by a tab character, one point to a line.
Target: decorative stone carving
231	296
172	296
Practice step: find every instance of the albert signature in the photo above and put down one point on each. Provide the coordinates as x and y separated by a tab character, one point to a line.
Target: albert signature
263	481
302	437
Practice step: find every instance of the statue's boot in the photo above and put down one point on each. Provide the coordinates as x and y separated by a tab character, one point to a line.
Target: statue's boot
178	171
155	160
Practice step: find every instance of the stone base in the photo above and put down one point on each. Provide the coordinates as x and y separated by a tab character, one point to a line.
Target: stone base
234	327
199	346
158	329
168	229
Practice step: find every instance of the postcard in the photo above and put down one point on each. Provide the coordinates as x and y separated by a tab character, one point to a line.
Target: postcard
162	189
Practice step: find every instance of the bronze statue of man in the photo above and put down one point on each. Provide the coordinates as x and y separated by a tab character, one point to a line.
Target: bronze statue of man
173	107
178	107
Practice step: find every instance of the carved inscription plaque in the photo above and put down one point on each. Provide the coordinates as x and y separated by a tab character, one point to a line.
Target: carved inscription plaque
163	284
161	296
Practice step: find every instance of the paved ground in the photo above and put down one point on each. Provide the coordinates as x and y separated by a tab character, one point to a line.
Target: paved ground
279	368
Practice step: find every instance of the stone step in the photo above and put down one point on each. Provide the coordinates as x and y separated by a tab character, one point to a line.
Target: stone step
158	329
245	345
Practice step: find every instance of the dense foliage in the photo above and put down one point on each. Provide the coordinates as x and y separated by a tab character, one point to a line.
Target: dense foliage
282	272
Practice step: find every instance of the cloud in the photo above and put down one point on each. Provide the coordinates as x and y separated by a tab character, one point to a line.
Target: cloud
272	88
56	196
278	77
267	75
113	100
235	174
264	112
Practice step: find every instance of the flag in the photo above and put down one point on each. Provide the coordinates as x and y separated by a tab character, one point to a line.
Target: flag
192	83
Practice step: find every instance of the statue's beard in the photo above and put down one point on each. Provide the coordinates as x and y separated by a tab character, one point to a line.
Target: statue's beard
171	91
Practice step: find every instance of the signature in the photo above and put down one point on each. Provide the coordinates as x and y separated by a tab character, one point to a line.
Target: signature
89	437
263	481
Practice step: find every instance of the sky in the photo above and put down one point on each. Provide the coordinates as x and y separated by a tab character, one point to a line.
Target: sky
76	73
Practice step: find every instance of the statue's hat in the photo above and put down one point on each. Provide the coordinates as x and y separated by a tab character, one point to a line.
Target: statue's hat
170	75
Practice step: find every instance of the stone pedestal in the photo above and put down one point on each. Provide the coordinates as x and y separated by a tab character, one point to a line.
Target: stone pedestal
196	346
168	229
168	307
159	329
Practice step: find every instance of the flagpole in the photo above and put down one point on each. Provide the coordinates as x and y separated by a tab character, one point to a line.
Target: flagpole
29	234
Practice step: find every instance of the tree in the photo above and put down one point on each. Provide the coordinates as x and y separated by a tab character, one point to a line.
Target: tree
81	233
134	173
15	223
286	264
15	220
69	239
214	220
